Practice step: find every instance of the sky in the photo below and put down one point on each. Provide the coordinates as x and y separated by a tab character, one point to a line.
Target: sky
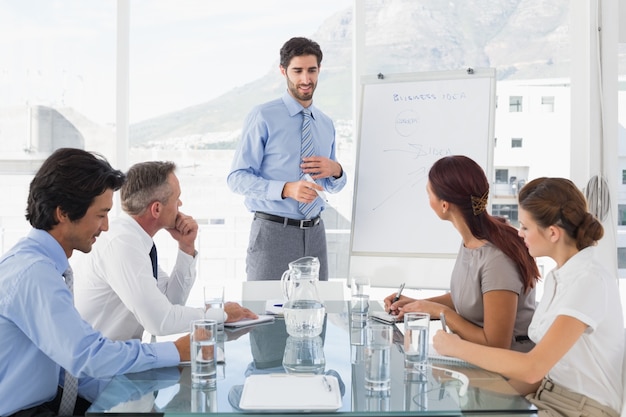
182	52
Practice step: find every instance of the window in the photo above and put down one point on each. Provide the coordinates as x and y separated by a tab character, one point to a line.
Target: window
508	211
621	258
75	41
515	104
547	104
57	89
621	214
516	142
502	176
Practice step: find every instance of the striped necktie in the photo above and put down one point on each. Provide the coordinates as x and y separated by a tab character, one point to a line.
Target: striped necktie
70	385
308	149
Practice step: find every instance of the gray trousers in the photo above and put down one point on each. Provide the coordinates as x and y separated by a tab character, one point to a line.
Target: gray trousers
273	245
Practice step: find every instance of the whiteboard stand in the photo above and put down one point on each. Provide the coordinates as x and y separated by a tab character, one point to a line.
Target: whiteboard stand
406	123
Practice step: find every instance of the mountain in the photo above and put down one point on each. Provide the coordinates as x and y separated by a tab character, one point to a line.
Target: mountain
521	38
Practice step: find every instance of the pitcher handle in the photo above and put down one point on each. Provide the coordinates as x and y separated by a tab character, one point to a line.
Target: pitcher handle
285	282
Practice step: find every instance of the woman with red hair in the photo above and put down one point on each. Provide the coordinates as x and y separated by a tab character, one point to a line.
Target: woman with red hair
576	366
492	298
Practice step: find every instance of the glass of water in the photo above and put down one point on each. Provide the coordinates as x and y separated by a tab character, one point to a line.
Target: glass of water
214	299
203	400
203	353
416	341
378	341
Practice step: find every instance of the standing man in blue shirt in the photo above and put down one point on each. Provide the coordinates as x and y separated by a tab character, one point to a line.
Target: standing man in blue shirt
269	165
41	331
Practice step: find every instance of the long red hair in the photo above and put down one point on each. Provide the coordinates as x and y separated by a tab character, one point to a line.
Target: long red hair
456	179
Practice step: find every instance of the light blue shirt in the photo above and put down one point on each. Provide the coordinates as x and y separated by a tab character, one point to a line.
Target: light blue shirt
41	332
268	155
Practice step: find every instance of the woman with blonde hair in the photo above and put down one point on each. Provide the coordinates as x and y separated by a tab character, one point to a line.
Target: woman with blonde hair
576	366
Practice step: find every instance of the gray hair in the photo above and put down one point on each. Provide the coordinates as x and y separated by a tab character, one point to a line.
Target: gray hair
146	182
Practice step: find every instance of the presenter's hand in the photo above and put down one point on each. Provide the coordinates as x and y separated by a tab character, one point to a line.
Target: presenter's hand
393	308
301	191
321	167
183	345
185	232
236	312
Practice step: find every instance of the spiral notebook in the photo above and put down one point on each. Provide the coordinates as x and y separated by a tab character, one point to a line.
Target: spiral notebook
438	359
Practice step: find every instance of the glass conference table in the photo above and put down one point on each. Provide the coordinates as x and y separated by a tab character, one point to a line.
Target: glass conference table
259	350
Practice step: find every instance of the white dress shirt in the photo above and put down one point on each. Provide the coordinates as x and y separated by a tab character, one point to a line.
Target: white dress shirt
115	291
583	289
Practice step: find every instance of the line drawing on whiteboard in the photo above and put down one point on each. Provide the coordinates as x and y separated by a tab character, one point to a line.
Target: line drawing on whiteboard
416	176
407	122
409	183
421	150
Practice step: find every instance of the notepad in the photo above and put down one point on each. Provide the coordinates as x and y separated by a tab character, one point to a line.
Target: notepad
280	392
274	307
263	318
437	358
384	317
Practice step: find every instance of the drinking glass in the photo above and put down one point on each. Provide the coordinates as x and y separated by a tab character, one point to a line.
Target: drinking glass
359	285
203	353
203	400
378	341
416	341
214	299
359	306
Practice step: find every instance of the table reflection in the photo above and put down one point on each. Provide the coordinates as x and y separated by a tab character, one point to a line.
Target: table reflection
261	349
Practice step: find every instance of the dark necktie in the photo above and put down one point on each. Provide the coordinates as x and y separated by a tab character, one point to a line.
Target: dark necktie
153	258
307	148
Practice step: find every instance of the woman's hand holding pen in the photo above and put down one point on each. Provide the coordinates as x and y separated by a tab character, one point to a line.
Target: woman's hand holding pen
446	343
420	306
393	307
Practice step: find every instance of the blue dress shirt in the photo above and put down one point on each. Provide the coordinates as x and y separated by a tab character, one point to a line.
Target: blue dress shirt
268	155
41	331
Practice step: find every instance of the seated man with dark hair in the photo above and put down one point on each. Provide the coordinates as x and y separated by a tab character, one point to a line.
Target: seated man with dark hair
41	331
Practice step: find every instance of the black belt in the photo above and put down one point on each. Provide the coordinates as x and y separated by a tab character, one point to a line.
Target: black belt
302	224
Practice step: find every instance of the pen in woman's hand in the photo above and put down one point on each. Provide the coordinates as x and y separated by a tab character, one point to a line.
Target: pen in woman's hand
398	294
442	317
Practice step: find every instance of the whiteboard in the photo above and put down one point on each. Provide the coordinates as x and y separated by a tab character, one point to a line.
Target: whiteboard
407	122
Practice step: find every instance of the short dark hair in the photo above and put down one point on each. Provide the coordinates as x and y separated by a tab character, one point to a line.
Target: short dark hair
298	47
71	179
146	182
